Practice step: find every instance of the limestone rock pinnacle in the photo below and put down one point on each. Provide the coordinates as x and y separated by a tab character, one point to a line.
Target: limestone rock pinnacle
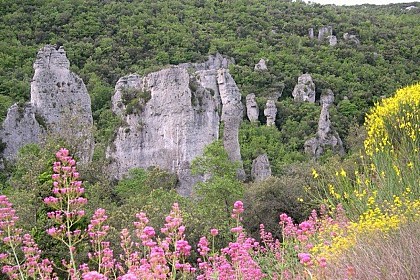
261	65
325	136
60	105
304	89
252	110
270	112
261	169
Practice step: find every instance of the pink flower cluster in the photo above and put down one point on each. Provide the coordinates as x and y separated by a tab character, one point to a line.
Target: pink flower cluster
67	191
161	257
33	267
147	254
297	242
235	261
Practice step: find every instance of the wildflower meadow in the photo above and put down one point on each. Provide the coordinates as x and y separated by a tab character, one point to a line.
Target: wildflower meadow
375	211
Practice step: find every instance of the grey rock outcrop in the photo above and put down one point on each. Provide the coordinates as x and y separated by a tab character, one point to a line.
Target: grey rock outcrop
325	137
270	112
261	169
351	38
311	33
324	33
252	110
19	128
232	112
261	65
169	120
333	40
304	89
214	62
171	115
60	105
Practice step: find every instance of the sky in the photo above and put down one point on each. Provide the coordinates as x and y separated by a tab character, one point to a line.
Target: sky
359	2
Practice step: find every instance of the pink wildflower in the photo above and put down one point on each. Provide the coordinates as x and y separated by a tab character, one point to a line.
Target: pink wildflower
304	258
93	275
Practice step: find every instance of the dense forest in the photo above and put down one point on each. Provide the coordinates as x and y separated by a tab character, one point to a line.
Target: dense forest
107	39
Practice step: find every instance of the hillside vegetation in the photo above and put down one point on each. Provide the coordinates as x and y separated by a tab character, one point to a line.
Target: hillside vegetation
109	39
328	218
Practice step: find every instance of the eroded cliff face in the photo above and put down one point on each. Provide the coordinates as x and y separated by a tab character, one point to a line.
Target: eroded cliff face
19	128
171	115
60	105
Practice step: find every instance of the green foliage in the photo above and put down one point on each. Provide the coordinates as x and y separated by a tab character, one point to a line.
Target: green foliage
218	192
151	190
138	193
134	99
265	201
141	182
257	139
297	122
5	103
133	184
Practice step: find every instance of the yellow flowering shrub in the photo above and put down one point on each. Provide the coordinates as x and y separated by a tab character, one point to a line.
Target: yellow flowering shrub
383	194
382	218
394	121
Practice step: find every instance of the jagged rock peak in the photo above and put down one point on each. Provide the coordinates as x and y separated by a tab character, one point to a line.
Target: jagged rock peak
305	89
261	169
60	106
60	98
325	137
169	118
270	112
327	98
170	115
252	110
261	65
49	56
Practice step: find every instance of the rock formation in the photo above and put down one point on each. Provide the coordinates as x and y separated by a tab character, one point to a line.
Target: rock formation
270	112
232	113
261	169
261	65
252	110
411	8
311	33
325	136
333	40
19	128
324	33
171	115
305	89
60	104
351	38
